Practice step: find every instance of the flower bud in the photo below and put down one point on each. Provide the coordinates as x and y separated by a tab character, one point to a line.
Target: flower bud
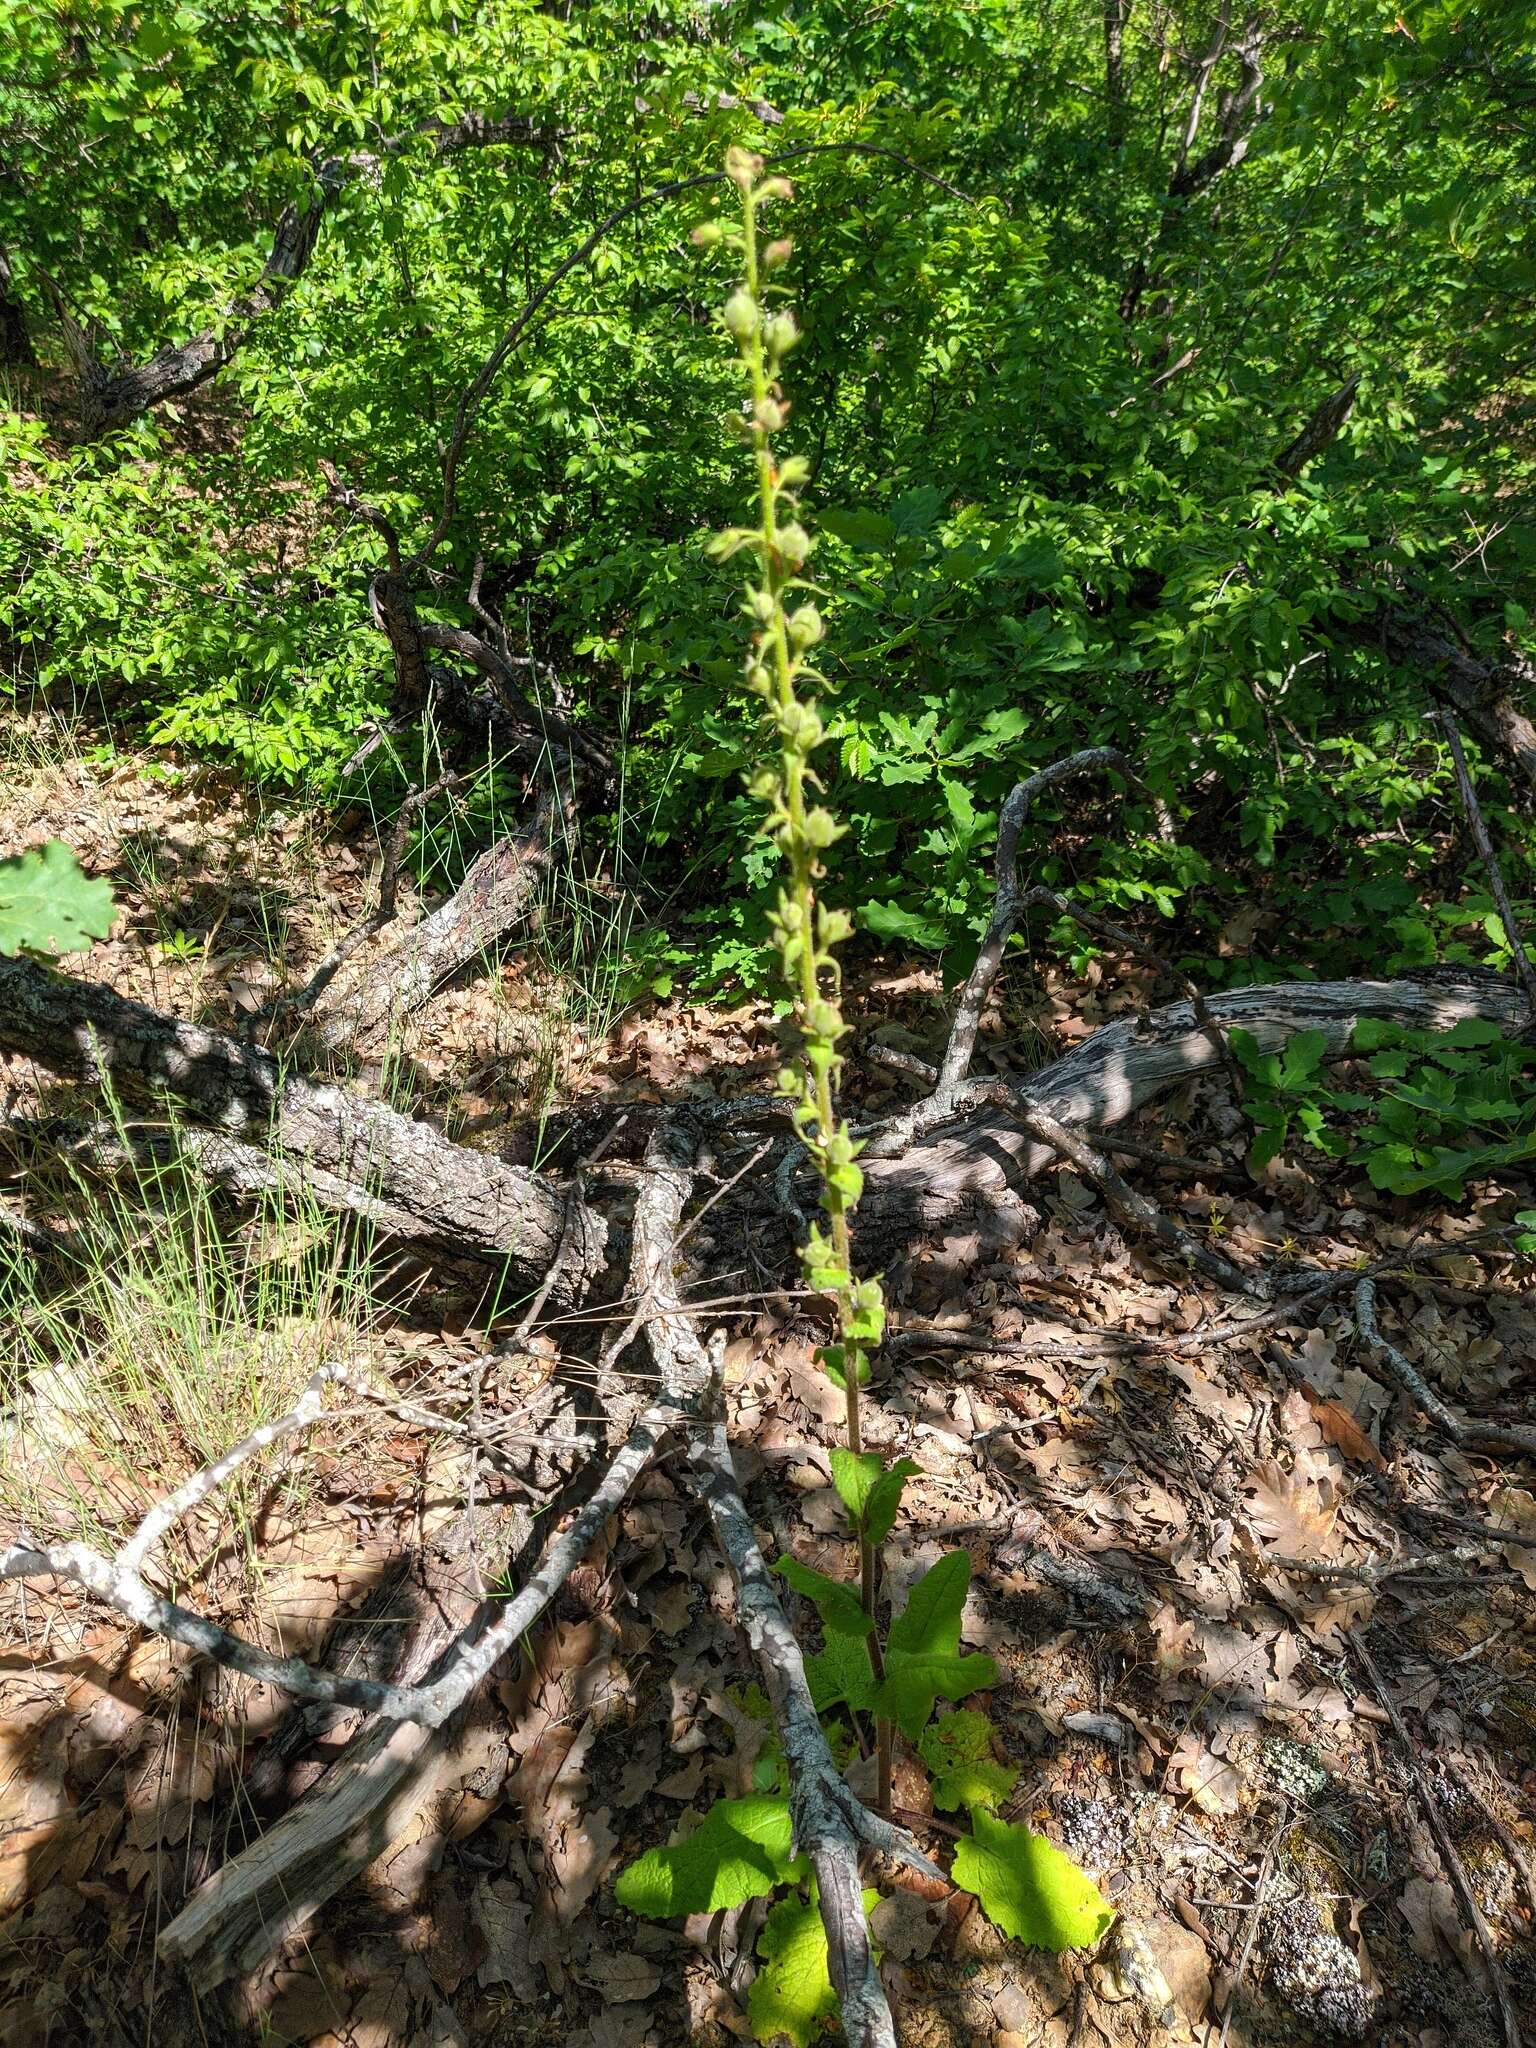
760	606
741	166
774	188
769	415
781	333
794	543
707	234
805	627
778	253
741	315
794	470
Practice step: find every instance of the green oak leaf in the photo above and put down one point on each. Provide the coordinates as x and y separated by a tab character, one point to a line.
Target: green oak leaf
740	1851
1027	1887
792	1993
48	904
838	1604
958	1751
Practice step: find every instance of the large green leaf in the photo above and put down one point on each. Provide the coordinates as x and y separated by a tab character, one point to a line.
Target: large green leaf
792	1993
48	904
1027	1887
740	1851
914	1680
842	1675
930	1621
841	1610
958	1751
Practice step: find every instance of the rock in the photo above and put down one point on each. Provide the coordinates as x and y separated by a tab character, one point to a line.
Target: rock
1010	2040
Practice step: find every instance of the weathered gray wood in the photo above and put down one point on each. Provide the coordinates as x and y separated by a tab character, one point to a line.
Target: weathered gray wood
458	1200
974	1168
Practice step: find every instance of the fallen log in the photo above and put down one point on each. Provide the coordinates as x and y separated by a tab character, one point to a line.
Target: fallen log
348	1151
496	896
921	1181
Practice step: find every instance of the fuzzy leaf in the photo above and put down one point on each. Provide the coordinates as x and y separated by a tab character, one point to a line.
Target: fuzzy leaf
49	905
914	1680
855	1474
1028	1888
842	1675
741	1851
930	1621
792	1993
958	1751
838	1604
885	1499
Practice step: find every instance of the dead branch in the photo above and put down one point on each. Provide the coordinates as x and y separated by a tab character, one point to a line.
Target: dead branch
385	909
1008	905
1525	974
1489	1436
1466	1897
1320	430
345	1149
497	894
919	1180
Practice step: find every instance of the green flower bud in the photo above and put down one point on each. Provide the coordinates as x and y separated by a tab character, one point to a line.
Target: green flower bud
794	470
780	333
778	253
805	627
794	543
707	235
742	167
774	188
769	415
740	314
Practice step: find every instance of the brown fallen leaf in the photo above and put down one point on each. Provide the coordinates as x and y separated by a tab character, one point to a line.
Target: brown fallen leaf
1340	1429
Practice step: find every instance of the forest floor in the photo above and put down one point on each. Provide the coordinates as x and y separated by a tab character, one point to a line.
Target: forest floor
1191	1714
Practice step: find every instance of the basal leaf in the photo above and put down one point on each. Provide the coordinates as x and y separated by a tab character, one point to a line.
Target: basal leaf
957	1749
930	1621
792	1993
1028	1888
48	904
838	1604
740	1851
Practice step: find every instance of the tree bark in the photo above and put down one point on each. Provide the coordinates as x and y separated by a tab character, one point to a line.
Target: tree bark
497	894
1490	696
461	1202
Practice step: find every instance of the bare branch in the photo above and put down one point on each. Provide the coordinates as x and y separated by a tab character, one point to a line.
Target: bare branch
1006	911
1525	974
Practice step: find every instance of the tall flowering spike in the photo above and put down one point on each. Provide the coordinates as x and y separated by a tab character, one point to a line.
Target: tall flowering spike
785	628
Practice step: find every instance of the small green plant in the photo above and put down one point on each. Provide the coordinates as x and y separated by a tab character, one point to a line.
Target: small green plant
867	1682
1449	1106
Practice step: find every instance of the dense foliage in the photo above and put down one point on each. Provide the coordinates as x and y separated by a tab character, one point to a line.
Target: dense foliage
1115	260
